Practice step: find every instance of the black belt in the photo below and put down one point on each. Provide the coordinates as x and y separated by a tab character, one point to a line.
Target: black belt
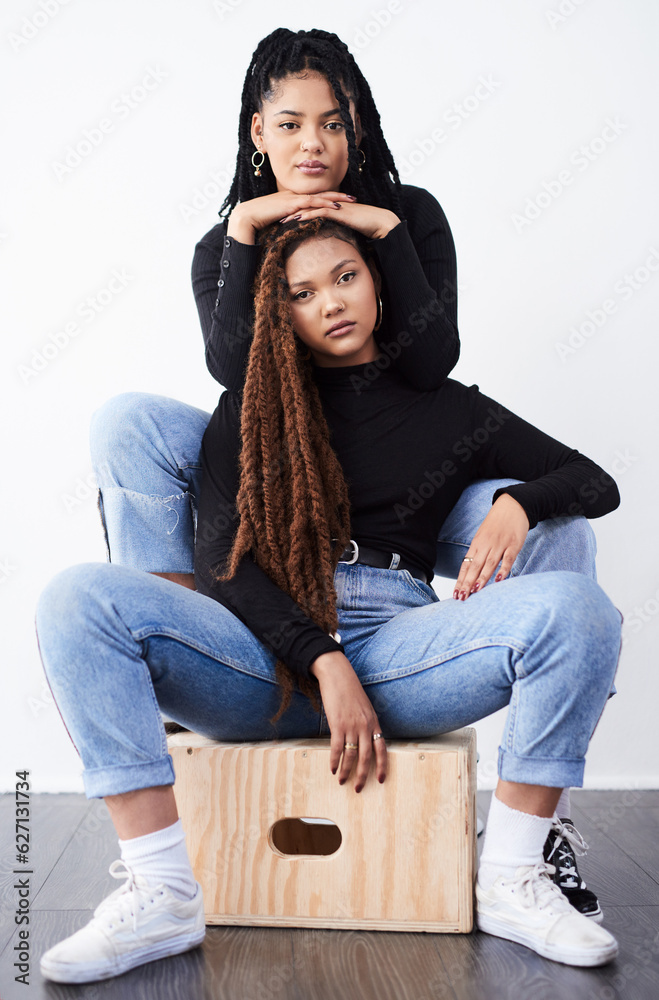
355	553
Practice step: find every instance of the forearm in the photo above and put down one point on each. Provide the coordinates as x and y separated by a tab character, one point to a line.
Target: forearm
556	481
327	664
240	227
223	271
581	487
422	313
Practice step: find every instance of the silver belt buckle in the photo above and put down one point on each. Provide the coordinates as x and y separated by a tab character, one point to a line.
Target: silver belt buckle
351	562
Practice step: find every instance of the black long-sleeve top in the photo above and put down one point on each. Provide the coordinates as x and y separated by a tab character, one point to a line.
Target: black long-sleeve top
416	260
407	455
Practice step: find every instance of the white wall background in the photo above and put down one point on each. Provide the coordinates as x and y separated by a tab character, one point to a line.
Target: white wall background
558	71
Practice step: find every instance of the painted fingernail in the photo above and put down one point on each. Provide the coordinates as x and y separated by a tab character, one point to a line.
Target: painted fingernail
456	594
463	595
337	204
381	779
333	770
284	219
351	197
342	781
296	217
475	587
498	577
359	789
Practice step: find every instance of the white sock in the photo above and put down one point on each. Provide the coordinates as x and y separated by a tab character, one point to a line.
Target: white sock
512	839
563	806
162	857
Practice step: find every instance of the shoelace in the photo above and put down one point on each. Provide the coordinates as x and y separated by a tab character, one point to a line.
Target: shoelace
536	888
568	843
119	869
567	831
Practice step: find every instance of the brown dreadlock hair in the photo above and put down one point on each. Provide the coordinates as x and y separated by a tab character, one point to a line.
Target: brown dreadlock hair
292	500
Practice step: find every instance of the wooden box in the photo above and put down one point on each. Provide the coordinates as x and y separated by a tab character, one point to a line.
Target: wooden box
397	856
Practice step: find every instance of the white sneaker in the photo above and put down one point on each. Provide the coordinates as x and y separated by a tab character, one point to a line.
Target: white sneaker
135	924
530	909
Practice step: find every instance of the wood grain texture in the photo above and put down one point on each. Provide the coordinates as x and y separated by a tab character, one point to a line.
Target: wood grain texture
635	973
406	858
640	798
611	873
482	967
350	964
636	832
80	880
52	821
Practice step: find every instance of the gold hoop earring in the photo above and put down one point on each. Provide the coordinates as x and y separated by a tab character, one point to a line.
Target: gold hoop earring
363	155
379	322
257	152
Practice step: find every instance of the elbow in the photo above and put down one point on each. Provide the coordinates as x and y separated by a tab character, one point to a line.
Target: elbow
454	349
615	497
211	364
610	499
216	370
433	375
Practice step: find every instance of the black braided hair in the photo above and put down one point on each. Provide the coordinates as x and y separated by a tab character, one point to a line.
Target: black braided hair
285	52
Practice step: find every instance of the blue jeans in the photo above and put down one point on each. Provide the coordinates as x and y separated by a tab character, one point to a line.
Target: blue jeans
119	646
145	451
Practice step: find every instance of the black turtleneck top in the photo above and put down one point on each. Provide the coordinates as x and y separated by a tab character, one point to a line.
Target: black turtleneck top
416	260
407	455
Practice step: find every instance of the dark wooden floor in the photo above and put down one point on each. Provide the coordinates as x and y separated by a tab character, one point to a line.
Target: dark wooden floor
73	844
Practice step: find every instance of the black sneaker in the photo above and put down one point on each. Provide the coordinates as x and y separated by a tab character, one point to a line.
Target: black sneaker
563	842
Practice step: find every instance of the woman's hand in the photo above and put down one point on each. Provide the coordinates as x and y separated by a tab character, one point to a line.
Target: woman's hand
498	540
257	213
351	719
373	222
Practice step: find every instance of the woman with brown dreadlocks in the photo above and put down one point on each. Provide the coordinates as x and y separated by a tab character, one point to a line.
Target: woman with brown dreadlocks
314	614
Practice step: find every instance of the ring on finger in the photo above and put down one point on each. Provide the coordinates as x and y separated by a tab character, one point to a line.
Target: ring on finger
377	736
468	559
351	746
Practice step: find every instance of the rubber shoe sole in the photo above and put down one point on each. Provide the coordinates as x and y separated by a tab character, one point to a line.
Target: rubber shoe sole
563	954
64	972
575	899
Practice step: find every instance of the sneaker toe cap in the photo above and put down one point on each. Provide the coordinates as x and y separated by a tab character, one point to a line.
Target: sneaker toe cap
581	934
76	949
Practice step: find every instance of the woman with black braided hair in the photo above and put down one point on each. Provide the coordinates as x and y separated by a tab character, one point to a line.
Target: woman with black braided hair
309	122
304	481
